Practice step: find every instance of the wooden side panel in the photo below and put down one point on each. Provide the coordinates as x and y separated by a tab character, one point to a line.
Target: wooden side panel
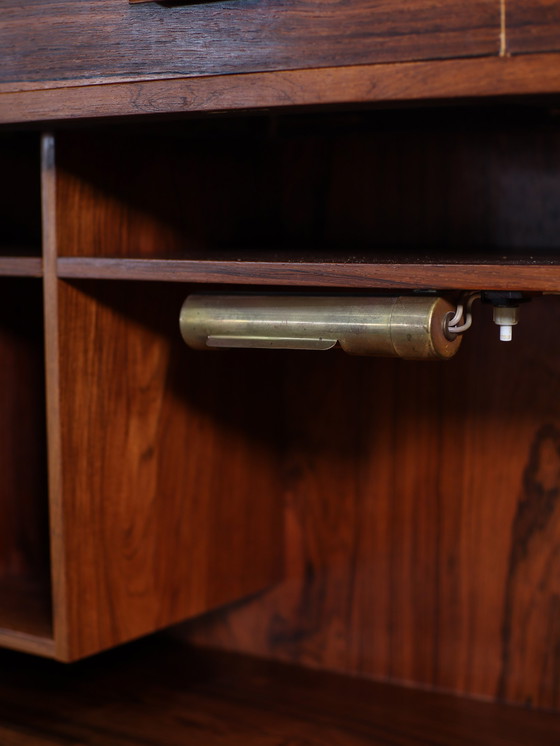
24	538
169	491
532	26
63	41
422	515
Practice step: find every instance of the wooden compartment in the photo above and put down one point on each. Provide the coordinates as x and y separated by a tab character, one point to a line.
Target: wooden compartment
25	589
422	518
360	199
20	205
404	483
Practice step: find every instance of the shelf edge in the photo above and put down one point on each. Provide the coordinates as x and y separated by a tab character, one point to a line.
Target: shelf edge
538	278
21	266
27	643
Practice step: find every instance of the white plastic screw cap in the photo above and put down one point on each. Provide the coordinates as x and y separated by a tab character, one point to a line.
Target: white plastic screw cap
506	318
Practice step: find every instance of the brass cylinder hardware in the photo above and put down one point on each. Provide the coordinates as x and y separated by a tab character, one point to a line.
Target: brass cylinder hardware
410	327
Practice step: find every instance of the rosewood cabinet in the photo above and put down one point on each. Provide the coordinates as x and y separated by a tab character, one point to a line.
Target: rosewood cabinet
378	518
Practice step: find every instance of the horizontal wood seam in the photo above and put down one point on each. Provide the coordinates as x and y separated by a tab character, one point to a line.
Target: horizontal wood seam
79	83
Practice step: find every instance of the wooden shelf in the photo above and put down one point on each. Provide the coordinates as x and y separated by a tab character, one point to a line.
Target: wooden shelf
21	266
161	691
26	616
527	277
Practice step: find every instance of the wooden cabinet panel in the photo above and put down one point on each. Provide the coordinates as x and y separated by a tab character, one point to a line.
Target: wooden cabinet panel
169	501
532	26
95	40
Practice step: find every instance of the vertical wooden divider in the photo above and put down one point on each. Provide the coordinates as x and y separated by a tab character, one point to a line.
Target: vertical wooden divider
54	453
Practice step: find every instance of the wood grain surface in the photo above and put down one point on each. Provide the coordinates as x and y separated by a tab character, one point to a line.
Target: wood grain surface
24	540
169	504
104	40
363	84
159	693
422	518
533	26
